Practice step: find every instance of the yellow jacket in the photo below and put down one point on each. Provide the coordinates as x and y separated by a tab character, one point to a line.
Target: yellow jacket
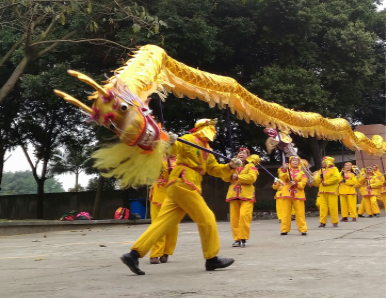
159	191
192	163
373	182
348	188
279	185
332	178
243	188
289	191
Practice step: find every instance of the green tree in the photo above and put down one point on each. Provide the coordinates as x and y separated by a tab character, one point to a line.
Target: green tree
71	160
23	182
32	29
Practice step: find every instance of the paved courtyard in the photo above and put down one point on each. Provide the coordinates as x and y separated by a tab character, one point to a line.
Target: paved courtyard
349	261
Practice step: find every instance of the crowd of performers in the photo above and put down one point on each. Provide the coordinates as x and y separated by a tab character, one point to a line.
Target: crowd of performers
177	192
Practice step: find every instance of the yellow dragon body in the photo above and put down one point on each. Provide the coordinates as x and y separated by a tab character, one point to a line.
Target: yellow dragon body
121	105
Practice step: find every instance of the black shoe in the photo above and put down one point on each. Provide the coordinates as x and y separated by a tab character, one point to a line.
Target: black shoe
131	260
322	225
236	244
284	234
335	225
361	216
376	215
243	243
218	263
303	234
370	216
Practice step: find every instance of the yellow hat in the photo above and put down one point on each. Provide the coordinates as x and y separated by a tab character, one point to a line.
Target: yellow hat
205	128
329	161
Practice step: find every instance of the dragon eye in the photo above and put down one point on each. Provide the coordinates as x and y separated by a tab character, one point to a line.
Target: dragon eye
123	107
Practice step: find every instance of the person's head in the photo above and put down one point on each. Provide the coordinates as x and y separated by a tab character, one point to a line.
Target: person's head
294	162
328	162
243	154
348	166
369	170
205	128
375	168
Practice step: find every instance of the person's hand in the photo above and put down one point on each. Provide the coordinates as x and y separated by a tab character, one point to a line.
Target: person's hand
235	163
293	183
234	177
172	138
285	165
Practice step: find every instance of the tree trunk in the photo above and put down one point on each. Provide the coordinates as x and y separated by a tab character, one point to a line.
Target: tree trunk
317	157
98	195
76	181
39	205
14	78
1	166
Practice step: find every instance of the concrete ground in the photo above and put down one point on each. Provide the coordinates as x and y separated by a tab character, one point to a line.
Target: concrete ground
349	261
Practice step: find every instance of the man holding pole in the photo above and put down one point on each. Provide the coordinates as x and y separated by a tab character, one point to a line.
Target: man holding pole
327	179
184	197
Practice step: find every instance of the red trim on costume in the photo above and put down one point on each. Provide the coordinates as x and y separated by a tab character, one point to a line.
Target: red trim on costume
323	192
189	183
243	199
156	203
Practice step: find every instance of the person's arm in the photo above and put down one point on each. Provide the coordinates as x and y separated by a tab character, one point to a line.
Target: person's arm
352	181
250	177
301	180
218	170
317	179
333	178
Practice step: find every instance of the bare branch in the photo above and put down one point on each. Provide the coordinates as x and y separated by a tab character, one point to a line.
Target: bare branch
97	40
54	45
10	52
48	30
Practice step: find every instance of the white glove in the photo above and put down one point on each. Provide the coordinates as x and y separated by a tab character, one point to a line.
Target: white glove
276	180
235	163
172	138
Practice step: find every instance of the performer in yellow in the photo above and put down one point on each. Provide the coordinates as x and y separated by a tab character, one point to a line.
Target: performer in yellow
278	185
347	192
184	196
292	194
380	176
166	246
370	189
241	196
328	183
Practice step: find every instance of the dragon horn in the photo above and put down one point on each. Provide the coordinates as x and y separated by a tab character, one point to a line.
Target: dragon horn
74	101
89	81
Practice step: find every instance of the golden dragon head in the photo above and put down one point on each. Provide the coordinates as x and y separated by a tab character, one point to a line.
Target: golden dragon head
121	110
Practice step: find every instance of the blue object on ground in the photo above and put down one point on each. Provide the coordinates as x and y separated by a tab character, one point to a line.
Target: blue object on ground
137	207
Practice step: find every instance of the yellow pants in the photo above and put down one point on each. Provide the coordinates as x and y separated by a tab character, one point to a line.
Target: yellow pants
286	221
382	198
329	202
318	202
182	199
167	244
348	202
241	214
370	205
279	210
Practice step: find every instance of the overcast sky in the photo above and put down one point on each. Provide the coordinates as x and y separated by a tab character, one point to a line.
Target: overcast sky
18	162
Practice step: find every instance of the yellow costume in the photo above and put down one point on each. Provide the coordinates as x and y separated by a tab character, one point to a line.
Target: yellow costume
292	196
348	195
165	246
370	189
184	195
241	196
328	198
381	177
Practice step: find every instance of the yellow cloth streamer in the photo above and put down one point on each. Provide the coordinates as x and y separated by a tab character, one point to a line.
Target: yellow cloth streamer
114	161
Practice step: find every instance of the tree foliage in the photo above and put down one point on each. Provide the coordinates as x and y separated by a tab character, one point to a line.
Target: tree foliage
22	182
